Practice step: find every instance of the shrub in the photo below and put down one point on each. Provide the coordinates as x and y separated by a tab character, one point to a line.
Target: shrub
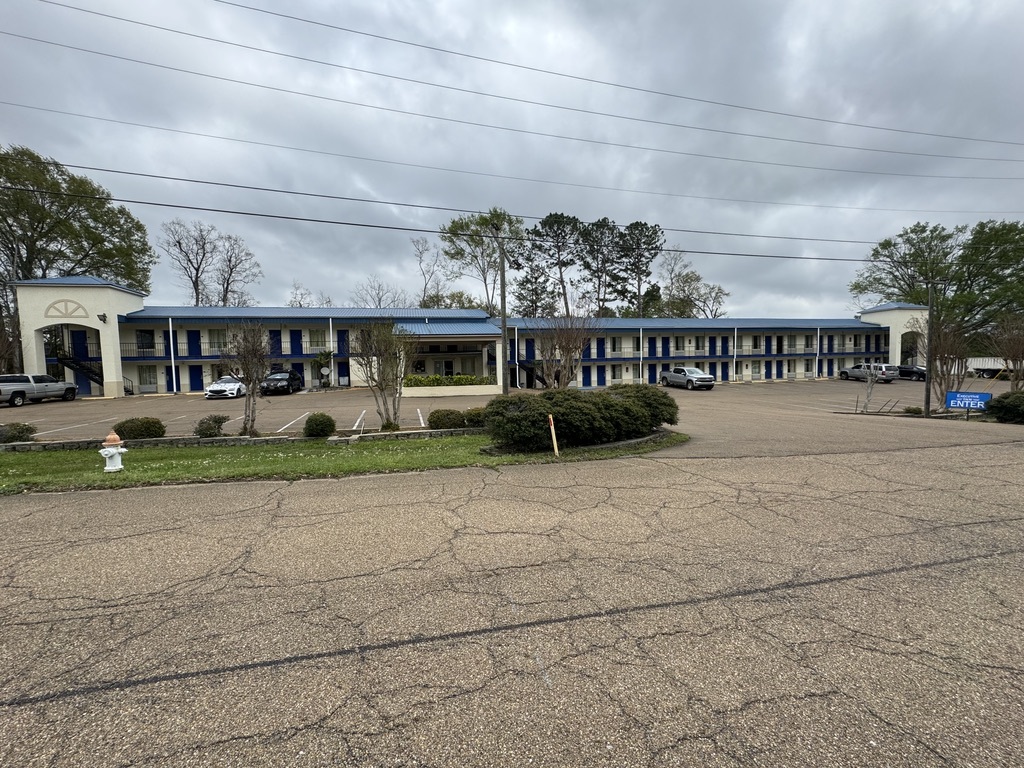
1008	408
436	380
390	426
16	433
579	418
518	422
210	426
658	404
475	417
140	428
319	425
626	417
913	410
446	418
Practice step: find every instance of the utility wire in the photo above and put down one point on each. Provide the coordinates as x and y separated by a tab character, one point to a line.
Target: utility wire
504	128
530	102
633	88
395	204
387	227
504	177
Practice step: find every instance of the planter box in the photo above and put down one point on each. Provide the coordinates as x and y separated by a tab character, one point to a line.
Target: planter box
489	390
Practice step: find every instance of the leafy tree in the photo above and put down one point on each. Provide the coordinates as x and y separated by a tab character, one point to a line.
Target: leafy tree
638	245
214	266
248	358
534	293
1006	341
56	224
974	274
598	263
450	300
473	245
383	352
555	249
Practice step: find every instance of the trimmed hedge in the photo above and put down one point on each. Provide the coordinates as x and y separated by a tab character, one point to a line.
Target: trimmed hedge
446	418
210	426
520	422
16	432
319	425
475	417
462	380
140	428
1008	408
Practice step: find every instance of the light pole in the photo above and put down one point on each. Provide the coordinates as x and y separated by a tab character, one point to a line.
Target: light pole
928	365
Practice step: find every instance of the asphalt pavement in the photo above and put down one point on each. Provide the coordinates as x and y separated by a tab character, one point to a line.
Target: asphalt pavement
793	587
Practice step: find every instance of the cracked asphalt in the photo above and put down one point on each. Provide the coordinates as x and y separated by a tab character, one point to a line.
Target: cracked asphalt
812	589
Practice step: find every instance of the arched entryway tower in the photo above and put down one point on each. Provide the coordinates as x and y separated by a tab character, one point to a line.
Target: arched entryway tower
73	322
905	322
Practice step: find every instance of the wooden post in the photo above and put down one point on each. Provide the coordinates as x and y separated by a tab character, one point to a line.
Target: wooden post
554	440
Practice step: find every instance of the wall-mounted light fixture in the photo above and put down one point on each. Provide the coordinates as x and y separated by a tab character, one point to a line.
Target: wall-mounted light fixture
102	317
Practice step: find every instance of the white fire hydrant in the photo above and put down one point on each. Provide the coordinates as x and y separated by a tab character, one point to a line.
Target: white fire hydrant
111	452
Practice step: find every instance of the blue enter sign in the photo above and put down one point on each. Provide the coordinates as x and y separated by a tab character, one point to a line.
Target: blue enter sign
972	401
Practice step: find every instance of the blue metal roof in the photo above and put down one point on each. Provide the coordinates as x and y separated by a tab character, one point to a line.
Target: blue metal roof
631	324
481	329
323	314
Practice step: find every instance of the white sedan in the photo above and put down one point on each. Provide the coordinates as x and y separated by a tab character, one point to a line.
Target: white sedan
225	386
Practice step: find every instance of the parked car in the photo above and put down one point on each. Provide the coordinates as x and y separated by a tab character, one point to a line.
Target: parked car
912	372
16	388
691	378
225	386
281	383
883	372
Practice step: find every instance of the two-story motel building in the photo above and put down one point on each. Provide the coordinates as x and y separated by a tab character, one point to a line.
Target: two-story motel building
110	343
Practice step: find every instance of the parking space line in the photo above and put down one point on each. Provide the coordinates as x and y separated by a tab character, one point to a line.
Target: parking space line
282	429
76	426
359	420
421	417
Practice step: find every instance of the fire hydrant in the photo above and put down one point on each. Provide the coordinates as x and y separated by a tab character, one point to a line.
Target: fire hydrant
111	451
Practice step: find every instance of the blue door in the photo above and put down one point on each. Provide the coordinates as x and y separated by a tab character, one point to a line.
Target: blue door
342	349
172	378
300	368
778	369
725	345
831	366
821	364
195	378
600	375
295	337
79	345
725	368
767	368
586	375
831	349
343	374
195	346
167	344
652	374
274	338
84	385
712	343
713	369
600	355
586	349
666	346
652	346
531	349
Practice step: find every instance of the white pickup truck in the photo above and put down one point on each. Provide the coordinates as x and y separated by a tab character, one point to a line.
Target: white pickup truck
16	388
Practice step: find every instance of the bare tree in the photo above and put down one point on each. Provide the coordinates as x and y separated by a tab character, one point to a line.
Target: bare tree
430	262
248	358
1007	342
215	267
374	292
709	300
301	296
945	351
384	352
560	341
235	268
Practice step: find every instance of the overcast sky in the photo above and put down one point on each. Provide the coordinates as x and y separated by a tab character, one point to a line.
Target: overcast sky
322	103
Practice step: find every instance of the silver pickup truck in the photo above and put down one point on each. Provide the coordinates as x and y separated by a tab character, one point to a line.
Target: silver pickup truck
685	376
16	388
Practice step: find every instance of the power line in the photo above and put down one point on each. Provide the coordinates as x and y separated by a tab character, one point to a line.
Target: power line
530	102
386	227
507	129
635	89
505	177
445	209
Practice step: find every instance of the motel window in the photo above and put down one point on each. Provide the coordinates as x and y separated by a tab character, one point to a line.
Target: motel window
808	366
808	341
756	344
636	343
616	372
218	339
791	366
147	375
317	339
680	344
755	367
616	343
791	341
698	343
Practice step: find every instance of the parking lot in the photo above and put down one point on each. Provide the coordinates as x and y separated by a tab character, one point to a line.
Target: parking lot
354	408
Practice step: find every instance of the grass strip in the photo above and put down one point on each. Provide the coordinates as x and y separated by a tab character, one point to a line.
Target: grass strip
56	471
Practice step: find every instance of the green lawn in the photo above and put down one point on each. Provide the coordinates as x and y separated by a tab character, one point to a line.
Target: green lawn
34	471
